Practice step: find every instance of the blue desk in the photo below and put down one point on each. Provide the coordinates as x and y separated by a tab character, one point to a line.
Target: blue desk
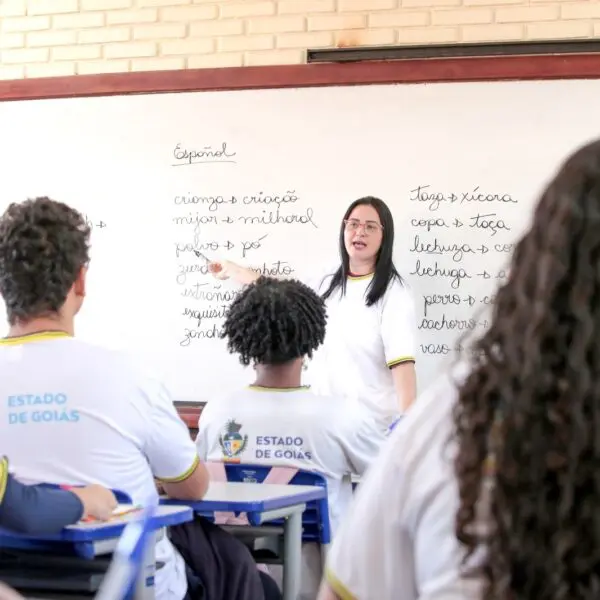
89	540
265	502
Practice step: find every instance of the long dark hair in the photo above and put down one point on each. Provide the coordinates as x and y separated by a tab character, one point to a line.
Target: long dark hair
385	271
530	407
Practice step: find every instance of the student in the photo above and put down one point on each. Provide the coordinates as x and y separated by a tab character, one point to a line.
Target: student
100	418
491	483
274	324
369	349
38	510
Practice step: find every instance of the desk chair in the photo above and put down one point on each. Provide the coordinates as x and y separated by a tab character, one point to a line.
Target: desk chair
52	567
74	564
127	575
315	519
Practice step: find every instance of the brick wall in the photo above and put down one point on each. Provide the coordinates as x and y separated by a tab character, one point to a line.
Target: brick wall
65	37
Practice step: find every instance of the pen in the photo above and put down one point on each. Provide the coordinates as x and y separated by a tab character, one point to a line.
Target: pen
113	517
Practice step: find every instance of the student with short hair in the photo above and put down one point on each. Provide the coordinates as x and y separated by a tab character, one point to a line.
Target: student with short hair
274	325
75	413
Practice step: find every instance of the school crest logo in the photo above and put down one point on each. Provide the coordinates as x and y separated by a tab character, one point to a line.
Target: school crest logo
232	442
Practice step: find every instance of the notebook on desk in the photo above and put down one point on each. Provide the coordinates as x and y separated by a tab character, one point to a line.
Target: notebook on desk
121	510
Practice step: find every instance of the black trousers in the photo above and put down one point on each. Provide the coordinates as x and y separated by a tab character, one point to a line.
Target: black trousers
220	567
196	590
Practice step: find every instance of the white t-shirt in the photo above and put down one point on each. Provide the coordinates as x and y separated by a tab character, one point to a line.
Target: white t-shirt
74	413
292	428
362	343
398	541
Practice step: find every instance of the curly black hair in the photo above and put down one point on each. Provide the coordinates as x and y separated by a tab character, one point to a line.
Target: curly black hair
530	406
273	321
43	246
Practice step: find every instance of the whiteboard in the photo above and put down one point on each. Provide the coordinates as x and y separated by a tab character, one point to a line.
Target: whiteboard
263	177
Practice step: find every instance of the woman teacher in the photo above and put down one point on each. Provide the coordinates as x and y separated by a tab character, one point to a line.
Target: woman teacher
369	349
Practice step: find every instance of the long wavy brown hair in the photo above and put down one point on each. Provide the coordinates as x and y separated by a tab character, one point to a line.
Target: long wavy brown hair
530	406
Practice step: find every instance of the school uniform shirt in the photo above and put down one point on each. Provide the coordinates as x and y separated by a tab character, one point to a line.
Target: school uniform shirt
397	541
292	427
362	344
74	413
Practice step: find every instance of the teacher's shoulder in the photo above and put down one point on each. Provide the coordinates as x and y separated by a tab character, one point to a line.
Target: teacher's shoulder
399	291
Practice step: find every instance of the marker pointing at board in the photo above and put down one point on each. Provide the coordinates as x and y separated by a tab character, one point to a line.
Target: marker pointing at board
200	255
214	267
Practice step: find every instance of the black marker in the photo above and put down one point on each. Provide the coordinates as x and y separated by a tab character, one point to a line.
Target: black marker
215	268
200	255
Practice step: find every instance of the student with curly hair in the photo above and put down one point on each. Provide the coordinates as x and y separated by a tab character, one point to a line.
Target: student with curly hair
492	482
274	324
75	413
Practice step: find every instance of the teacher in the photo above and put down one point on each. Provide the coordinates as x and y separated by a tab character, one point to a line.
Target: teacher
369	350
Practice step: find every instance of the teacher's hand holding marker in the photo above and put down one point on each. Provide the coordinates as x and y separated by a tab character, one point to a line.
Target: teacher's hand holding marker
220	269
369	349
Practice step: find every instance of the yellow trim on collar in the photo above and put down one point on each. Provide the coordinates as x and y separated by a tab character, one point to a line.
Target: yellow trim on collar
39	336
262	388
337	586
184	475
399	361
360	277
3	477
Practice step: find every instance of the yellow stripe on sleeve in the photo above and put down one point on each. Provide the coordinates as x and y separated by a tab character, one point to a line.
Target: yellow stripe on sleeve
337	586
400	360
182	477
3	477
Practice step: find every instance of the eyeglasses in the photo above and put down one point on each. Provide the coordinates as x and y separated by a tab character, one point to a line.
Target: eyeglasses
370	227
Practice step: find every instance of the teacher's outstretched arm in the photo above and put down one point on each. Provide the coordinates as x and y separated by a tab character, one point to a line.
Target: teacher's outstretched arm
225	269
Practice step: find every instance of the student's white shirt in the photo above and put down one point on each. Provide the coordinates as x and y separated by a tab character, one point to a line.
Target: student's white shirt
397	541
292	428
362	343
73	413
